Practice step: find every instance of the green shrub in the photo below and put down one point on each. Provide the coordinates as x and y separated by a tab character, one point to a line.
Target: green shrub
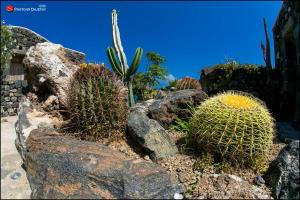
234	126
6	47
97	103
187	83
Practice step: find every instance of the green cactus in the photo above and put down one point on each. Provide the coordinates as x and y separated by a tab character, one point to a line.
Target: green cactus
121	67
234	126
266	49
188	83
97	103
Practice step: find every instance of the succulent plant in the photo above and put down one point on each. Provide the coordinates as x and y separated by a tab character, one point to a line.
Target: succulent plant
187	83
234	126
120	67
97	102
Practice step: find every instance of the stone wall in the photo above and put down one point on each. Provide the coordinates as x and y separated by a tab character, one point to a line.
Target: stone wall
25	38
258	81
11	93
286	31
12	89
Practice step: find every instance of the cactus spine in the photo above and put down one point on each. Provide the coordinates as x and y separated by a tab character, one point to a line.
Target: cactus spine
235	126
266	49
97	103
188	83
121	67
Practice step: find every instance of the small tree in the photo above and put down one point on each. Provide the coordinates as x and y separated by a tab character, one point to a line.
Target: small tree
144	83
6	47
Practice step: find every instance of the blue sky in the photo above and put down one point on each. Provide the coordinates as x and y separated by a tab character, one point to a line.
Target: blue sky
191	35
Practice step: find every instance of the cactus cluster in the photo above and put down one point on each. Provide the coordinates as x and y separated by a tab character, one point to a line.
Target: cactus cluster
234	126
120	66
97	103
188	83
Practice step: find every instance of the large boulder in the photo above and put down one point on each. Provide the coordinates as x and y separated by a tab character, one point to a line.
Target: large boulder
283	174
174	105
50	67
60	167
150	135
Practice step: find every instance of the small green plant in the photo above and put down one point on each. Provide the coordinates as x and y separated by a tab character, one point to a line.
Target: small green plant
120	67
203	162
224	167
97	103
181	125
234	126
6	47
188	83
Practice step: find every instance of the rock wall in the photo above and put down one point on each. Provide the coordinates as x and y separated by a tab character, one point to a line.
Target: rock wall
25	38
258	81
286	32
12	90
11	93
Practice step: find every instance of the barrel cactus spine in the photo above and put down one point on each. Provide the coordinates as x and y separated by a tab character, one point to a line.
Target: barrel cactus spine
120	66
188	83
234	126
97	103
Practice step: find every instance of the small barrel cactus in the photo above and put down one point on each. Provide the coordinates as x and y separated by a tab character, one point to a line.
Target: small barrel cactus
188	83
234	126
97	103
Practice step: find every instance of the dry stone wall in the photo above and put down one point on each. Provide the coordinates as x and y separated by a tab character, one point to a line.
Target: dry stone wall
12	90
11	93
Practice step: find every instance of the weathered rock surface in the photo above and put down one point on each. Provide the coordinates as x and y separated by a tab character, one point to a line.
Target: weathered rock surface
64	167
50	68
28	119
283	174
174	105
150	135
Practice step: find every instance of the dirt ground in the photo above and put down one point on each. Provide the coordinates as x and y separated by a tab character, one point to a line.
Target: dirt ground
14	184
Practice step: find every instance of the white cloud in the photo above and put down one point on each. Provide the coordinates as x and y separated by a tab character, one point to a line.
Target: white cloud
170	78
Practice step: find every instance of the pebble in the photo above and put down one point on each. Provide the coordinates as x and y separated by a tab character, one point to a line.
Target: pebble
259	180
181	177
147	158
178	196
15	176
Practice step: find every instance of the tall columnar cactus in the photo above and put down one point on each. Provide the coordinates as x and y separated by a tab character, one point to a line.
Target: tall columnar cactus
97	102
266	49
187	83
120	67
235	126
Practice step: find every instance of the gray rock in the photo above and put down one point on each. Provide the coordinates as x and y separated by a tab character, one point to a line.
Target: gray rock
174	105
14	99
283	173
64	167
259	180
53	61
21	124
150	135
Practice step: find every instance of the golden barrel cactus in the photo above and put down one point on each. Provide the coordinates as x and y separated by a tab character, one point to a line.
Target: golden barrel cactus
234	126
